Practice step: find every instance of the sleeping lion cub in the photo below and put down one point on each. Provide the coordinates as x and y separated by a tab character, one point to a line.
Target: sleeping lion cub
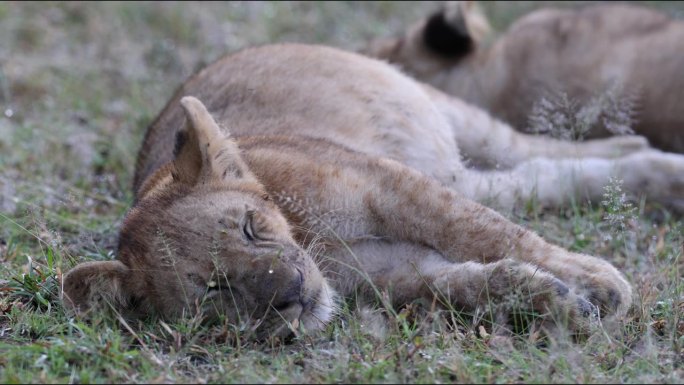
297	174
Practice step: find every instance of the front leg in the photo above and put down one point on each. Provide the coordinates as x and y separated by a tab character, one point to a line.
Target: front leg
406	272
421	210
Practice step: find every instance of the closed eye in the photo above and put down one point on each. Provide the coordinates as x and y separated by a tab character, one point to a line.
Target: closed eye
254	229
248	226
248	231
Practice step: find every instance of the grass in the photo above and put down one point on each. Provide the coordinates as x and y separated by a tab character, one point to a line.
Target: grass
79	82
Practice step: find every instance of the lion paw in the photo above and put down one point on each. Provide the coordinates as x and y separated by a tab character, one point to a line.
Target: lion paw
610	294
528	288
658	174
628	144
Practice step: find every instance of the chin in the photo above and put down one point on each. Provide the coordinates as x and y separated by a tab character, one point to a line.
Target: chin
321	311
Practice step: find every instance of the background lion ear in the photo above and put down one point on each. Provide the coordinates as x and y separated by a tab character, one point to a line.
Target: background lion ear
456	30
95	285
204	152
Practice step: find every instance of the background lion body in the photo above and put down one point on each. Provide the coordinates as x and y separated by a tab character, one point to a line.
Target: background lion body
633	51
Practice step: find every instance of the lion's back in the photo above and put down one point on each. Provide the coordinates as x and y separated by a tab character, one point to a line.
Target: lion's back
314	91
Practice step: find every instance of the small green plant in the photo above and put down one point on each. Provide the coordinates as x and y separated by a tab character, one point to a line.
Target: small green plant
38	287
620	214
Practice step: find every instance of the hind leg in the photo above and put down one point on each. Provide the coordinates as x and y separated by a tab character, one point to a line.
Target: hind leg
556	182
516	168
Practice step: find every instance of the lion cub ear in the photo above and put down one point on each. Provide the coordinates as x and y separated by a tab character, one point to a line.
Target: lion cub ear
205	153
94	285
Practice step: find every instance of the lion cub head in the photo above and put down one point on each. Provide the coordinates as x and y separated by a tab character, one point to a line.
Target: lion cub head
203	236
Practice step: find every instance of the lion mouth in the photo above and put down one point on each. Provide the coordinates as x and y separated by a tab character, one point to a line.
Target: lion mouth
312	313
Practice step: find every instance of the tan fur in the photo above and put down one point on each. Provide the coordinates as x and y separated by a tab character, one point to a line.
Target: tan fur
634	51
332	157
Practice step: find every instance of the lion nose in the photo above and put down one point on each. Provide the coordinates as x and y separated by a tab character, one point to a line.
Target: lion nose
290	295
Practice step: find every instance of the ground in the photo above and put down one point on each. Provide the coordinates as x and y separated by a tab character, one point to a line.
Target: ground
79	82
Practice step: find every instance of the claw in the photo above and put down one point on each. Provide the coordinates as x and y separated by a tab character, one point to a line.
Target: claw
587	309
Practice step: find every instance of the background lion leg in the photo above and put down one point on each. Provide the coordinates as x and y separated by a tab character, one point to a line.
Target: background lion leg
555	182
508	168
407	271
490	143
